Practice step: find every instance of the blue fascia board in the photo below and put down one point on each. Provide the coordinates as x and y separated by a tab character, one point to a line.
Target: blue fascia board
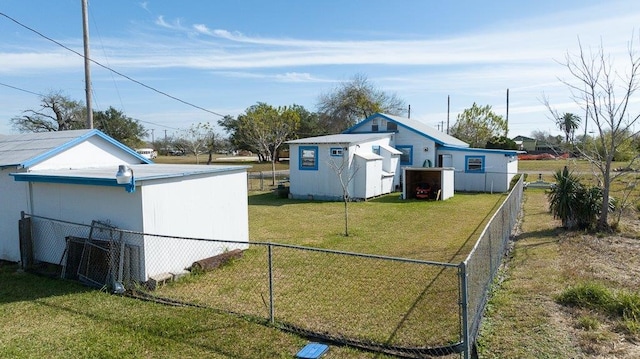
92	181
481	150
37	159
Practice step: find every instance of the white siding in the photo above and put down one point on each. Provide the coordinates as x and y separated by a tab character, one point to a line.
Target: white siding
15	198
81	204
210	207
494	178
324	184
93	152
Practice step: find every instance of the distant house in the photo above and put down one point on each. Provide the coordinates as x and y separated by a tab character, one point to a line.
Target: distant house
525	143
70	176
395	150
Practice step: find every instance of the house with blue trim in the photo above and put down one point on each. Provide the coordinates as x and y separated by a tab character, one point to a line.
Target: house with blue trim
395	154
71	176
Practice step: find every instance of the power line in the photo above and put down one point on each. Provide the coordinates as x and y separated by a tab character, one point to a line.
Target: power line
41	95
23	90
110	69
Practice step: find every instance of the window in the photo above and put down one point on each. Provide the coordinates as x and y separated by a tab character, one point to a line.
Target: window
406	158
308	158
376	150
392	126
374	125
474	164
336	151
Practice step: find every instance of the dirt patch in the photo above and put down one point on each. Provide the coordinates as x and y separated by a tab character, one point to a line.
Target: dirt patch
613	261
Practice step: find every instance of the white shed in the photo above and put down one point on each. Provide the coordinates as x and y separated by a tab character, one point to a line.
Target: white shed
366	162
71	176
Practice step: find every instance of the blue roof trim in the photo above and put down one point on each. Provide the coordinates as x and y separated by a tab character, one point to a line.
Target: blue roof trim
92	181
482	150
37	159
366	120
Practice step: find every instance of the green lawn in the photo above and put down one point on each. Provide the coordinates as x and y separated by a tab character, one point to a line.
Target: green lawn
378	300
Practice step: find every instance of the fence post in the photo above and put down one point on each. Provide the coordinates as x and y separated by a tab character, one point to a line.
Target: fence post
271	309
464	309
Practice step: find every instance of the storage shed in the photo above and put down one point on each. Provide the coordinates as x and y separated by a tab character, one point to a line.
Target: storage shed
72	177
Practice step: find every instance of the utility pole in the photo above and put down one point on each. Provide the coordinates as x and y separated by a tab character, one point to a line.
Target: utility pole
152	136
87	69
507	129
409	115
448	110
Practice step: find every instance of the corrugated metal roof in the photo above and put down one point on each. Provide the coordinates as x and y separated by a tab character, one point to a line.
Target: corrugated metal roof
17	149
351	138
23	149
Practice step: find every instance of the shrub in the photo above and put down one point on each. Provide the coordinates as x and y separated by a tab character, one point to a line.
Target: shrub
576	205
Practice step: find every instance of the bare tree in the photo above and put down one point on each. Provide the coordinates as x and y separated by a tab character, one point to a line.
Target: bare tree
604	94
354	101
345	177
56	113
196	139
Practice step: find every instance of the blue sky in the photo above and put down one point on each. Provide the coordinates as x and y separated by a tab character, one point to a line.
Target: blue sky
225	56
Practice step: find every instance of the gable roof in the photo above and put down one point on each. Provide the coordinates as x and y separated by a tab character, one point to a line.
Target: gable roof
28	149
351	138
423	129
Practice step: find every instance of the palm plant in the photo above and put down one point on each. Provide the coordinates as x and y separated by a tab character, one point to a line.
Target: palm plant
564	197
568	124
576	205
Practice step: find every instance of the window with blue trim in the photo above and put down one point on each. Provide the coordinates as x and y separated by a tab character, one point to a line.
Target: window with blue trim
406	158
474	164
308	158
376	150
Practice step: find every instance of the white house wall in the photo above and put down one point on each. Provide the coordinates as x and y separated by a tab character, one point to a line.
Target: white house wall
87	154
323	183
80	204
209	207
493	178
15	198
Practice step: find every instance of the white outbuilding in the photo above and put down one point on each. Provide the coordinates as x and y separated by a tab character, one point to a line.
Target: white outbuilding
71	176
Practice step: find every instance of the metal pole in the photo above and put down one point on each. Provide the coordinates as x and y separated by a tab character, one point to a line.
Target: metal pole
464	309
87	70
271	308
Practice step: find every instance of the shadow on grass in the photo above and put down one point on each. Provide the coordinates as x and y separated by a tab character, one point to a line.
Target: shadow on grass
17	285
165	327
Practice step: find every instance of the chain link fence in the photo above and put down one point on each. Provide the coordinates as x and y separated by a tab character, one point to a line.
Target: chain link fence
404	307
267	181
481	265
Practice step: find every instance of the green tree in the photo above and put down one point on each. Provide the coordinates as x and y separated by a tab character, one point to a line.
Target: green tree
266	128
56	113
310	124
477	125
501	142
354	101
120	127
237	138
